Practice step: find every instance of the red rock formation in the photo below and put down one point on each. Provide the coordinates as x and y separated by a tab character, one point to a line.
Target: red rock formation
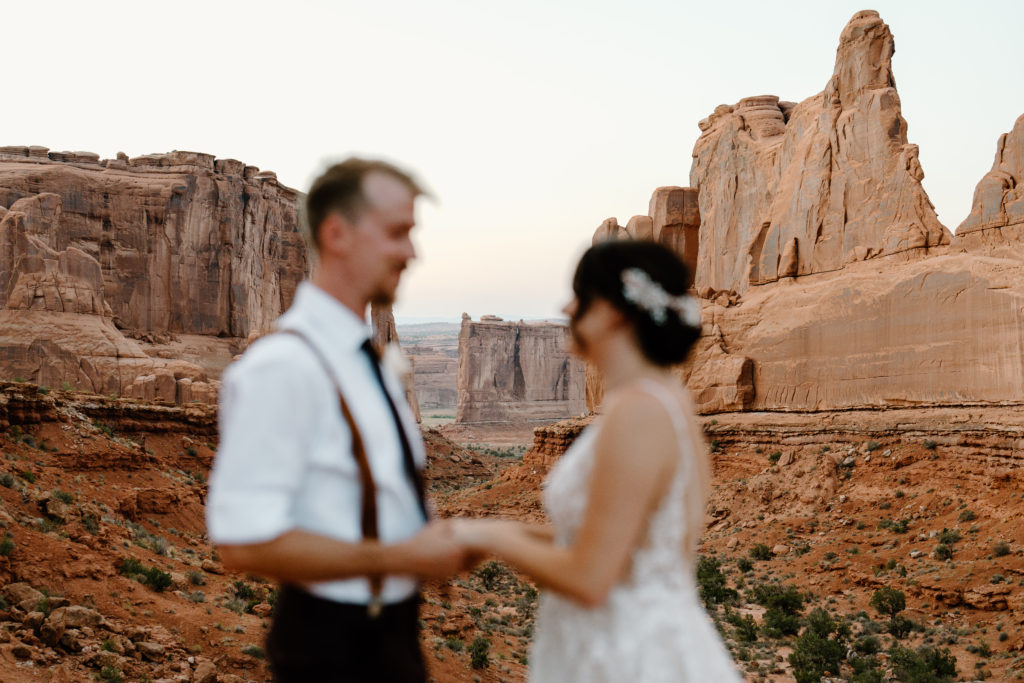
997	214
791	190
184	242
178	243
517	371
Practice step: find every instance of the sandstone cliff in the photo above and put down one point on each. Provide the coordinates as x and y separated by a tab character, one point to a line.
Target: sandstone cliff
997	213
113	272
797	202
794	189
517	371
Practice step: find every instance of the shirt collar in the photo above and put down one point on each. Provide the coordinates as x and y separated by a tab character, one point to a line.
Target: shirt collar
329	321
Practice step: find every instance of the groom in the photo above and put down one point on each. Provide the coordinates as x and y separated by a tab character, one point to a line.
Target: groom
317	479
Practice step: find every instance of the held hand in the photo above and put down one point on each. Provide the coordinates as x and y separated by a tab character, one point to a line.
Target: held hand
434	551
481	535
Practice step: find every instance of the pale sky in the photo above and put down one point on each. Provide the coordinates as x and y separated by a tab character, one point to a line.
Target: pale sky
531	121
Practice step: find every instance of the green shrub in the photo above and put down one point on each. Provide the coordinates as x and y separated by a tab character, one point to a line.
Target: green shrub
926	665
111	674
1001	549
746	627
819	650
6	545
154	577
873	446
28	476
930	444
967	516
868	645
454	644
63	496
900	626
713	588
784	605
949	536
760	552
479	653
744	565
943	552
889	601
774	456
897	527
254	651
7	480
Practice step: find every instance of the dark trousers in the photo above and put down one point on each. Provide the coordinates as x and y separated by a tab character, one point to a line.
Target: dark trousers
312	639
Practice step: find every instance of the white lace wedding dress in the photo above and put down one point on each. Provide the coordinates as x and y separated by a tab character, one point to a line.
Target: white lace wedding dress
653	626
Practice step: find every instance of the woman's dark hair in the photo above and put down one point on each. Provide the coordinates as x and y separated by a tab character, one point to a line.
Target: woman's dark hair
599	276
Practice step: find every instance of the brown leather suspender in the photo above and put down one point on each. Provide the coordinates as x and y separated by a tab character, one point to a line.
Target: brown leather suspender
368	515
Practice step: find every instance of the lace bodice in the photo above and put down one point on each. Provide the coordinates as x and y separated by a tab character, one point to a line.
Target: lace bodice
652	626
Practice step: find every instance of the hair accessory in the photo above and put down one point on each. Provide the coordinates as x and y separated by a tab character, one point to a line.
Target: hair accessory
640	290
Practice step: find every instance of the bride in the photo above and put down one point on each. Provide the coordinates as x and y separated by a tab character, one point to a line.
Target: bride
626	501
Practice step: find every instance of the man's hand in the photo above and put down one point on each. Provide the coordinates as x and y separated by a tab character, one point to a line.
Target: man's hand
434	553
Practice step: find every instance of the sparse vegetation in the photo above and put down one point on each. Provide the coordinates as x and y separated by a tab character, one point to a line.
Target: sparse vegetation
760	552
154	577
712	582
479	653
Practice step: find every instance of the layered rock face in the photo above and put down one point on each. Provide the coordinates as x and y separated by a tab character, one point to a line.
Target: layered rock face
96	256
795	189
997	213
517	371
803	211
183	242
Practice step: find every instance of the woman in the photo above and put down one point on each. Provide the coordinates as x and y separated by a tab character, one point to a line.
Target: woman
626	501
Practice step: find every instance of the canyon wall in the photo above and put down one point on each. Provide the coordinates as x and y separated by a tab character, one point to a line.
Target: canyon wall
517	371
826	279
794	189
113	272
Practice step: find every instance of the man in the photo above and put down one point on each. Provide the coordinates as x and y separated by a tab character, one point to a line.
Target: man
316	482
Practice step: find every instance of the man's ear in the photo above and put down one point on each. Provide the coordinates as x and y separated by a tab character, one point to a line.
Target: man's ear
335	232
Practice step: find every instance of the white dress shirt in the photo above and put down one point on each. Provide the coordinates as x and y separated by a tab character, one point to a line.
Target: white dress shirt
285	459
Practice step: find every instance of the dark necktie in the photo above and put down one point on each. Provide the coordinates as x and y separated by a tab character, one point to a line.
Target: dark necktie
410	466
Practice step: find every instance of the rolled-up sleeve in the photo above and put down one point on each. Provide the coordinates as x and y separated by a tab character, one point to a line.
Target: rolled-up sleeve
265	421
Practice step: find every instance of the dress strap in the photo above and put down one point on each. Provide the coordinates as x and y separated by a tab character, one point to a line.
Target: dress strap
675	413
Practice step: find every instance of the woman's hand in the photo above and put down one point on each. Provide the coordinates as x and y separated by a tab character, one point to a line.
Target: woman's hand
482	535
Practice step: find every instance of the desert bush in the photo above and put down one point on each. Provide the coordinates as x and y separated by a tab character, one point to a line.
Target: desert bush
873	446
930	444
949	536
943	552
888	601
254	651
760	551
897	527
745	627
967	516
154	577
784	605
819	650
1001	549
774	456
925	665
479	653
6	545
744	565
713	588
